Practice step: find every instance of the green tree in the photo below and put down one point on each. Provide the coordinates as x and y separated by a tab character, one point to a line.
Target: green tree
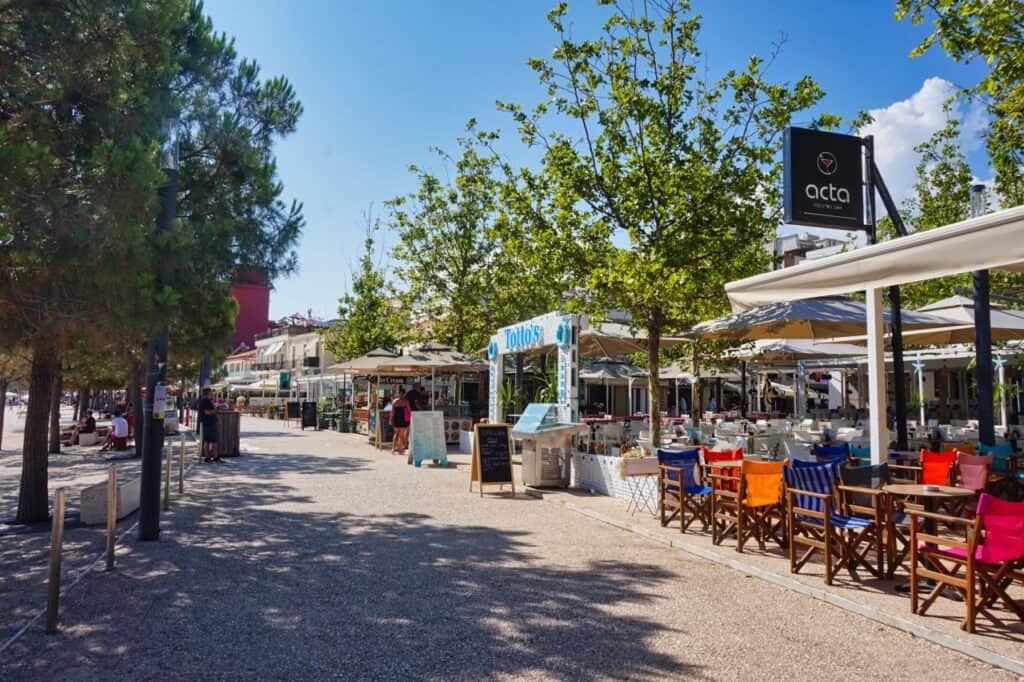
77	180
366	315
85	86
941	196
677	174
991	31
445	243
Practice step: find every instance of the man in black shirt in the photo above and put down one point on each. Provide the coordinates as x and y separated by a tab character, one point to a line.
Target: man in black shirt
87	425
208	415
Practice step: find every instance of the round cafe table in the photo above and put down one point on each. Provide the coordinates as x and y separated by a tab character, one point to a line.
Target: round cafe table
930	496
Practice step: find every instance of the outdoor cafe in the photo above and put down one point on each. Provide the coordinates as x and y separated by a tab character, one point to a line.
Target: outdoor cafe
943	519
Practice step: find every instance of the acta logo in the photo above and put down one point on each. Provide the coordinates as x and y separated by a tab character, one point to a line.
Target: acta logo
827	163
827	192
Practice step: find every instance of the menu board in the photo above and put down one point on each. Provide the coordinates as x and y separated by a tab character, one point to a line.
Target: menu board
426	438
492	456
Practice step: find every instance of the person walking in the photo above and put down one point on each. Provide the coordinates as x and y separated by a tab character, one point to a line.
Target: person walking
401	413
208	417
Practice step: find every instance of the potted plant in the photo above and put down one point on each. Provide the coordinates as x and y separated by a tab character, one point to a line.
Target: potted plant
271	411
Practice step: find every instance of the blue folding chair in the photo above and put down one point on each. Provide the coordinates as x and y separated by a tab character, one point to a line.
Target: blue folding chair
681	490
815	524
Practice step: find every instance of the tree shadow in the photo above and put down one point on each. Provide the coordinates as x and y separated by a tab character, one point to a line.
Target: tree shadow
271	592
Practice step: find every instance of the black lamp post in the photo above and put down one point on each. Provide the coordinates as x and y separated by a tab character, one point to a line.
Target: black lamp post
156	349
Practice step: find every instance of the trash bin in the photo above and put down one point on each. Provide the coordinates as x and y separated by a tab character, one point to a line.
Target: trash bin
228	426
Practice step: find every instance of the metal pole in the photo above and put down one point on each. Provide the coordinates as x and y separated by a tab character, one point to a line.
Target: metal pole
53	576
983	337
876	183
111	514
181	467
899	378
167	479
743	389
156	372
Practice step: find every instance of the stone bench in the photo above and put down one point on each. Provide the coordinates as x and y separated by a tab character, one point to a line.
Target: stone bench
94	501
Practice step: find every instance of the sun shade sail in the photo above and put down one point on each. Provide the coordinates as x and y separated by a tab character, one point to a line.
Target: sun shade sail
993	241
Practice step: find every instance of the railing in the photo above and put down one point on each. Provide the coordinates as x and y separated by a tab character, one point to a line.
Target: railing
278	364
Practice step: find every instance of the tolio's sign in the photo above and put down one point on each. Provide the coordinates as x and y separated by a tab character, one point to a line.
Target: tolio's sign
823	179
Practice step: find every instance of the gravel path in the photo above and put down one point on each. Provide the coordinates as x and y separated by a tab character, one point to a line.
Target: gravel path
315	556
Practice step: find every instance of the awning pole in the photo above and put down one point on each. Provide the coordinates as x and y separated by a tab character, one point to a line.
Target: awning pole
876	378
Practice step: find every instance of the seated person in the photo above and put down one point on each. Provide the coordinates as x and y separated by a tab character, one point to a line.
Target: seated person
87	425
117	439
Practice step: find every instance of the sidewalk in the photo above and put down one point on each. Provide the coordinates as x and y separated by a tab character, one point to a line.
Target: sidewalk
24	551
314	555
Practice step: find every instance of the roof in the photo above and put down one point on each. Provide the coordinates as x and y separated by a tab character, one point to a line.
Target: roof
244	355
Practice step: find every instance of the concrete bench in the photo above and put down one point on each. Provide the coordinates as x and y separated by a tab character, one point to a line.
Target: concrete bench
94	501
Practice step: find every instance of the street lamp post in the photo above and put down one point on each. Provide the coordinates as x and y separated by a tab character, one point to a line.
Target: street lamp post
156	349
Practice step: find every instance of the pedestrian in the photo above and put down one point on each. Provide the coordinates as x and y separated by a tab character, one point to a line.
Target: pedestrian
416	398
208	417
401	413
117	439
87	425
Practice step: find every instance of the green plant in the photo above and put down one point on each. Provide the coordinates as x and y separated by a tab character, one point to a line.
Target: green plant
271	411
507	395
548	389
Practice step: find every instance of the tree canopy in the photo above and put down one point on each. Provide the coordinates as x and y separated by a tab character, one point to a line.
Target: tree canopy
673	176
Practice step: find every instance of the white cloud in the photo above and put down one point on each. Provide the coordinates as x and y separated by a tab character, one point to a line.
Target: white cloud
903	125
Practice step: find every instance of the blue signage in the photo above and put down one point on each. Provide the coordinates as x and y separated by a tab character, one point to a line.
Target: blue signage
523	336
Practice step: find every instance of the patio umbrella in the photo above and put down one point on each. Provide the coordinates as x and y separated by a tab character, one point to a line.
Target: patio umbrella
610	372
810	318
603	339
363	365
791	350
432	358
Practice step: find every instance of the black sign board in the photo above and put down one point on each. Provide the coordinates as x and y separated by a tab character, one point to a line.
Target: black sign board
308	414
823	179
292	410
492	456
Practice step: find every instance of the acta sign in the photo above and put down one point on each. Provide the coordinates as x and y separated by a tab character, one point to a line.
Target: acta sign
824	180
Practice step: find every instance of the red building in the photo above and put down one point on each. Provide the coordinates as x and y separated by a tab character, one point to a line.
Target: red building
252	291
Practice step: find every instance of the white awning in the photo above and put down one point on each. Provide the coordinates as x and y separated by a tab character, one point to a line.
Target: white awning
272	349
989	242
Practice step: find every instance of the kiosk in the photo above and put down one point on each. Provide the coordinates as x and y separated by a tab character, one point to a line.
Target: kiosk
545	429
553	329
547	445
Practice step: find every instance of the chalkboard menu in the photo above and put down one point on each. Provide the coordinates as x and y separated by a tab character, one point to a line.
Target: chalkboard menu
292	410
492	456
426	438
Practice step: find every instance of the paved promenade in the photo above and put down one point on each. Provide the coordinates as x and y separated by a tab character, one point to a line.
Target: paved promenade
316	556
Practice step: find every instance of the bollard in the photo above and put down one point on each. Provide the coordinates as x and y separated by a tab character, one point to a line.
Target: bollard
167	478
53	578
181	467
111	515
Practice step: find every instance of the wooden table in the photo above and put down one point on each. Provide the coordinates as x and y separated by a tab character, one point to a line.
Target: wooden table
930	496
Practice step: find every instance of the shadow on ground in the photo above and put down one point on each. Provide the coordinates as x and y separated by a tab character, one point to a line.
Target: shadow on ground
268	593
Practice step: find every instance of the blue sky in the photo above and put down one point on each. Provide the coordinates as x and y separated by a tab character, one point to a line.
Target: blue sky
383	82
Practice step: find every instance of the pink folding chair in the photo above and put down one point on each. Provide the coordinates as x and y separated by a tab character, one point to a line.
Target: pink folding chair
980	567
973	471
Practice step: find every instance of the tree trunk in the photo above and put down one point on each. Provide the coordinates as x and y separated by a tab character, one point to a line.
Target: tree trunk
3	409
696	395
33	499
653	383
135	397
83	401
58	386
